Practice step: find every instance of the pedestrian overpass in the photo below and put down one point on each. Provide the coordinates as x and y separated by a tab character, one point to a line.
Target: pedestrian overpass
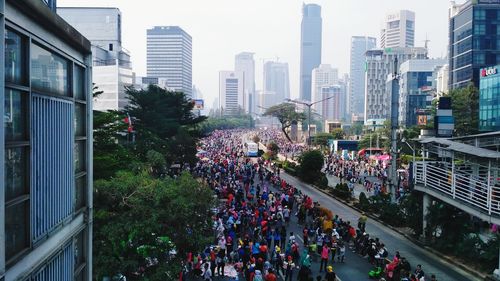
463	172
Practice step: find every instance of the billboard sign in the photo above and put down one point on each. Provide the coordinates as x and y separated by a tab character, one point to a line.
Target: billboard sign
198	104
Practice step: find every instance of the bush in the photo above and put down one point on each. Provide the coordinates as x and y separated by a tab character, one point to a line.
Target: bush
363	203
311	163
290	171
341	191
391	214
322	182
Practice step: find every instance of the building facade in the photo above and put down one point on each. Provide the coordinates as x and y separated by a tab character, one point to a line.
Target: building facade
276	82
46	145
112	68
359	46
332	103
244	62
379	64
322	76
442	79
474	34
231	92
398	30
417	89
310	47
169	55
489	99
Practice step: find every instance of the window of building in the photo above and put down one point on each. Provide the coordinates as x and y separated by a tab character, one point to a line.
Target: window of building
14	57
479	29
15	117
80	161
79	250
394	24
80	118
479	14
79	83
80	192
49	72
16	147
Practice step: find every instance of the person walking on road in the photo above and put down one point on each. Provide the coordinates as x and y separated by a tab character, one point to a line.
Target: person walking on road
289	266
330	275
325	253
362	222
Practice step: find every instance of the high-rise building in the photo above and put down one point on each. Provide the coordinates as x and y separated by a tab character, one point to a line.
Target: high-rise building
276	82
310	47
111	66
332	103
231	92
379	64
322	76
417	88
244	62
45	145
169	55
359	46
398	30
474	40
489	99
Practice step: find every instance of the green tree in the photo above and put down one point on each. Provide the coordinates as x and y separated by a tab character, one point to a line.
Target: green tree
286	114
321	139
465	105
311	163
338	134
139	219
273	148
164	122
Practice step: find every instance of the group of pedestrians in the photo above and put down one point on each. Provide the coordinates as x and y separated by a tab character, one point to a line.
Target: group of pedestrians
252	236
289	149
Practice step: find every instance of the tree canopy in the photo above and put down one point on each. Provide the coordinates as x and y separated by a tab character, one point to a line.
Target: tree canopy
465	105
286	114
311	163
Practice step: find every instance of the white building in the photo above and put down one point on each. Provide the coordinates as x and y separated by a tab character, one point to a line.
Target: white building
231	92
398	30
379	64
244	62
322	76
442	80
169	55
356	99
111	66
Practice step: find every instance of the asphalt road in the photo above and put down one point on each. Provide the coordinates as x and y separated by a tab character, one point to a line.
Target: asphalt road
356	268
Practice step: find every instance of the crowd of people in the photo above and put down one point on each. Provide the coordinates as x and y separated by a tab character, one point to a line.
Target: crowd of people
253	239
287	148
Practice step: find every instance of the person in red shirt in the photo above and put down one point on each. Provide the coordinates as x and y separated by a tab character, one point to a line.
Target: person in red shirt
271	276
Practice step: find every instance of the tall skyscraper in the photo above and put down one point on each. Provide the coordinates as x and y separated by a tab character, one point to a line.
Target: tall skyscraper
359	46
244	62
322	76
231	92
474	42
398	30
310	47
379	64
111	65
169	55
45	146
276	82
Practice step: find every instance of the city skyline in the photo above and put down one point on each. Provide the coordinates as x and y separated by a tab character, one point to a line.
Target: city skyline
268	38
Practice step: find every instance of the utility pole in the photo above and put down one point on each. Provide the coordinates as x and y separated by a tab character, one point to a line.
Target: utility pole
393	171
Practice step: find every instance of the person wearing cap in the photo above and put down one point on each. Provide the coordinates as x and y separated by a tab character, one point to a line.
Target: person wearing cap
330	275
270	276
288	266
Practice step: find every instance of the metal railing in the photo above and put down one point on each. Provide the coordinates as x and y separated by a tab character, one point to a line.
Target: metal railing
460	184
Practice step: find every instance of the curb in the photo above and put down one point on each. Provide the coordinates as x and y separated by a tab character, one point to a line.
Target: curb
410	238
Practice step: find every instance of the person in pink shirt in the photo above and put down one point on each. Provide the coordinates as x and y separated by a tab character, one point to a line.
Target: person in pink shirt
325	253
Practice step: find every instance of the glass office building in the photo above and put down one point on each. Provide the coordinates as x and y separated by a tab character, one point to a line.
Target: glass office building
474	40
489	99
46	147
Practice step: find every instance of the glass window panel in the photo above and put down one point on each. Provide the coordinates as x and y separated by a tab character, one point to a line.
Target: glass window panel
81	192
15	172
15	115
14	57
16	229
49	72
80	119
81	275
79	83
80	156
79	249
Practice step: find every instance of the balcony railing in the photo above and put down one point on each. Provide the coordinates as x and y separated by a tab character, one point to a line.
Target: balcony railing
458	182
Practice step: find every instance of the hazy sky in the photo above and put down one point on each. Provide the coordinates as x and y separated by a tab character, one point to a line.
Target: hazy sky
269	28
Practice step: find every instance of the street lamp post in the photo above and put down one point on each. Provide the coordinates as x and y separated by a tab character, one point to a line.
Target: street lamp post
309	105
